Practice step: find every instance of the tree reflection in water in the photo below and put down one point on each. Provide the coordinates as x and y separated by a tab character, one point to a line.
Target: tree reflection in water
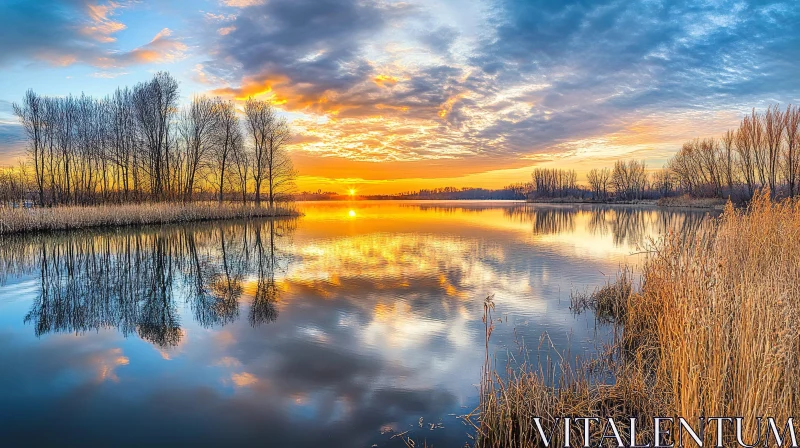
134	279
628	225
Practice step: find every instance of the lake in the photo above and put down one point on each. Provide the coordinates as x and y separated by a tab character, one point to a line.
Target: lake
345	327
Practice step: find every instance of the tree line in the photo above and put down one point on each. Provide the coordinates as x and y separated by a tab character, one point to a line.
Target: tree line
627	180
762	152
138	144
460	193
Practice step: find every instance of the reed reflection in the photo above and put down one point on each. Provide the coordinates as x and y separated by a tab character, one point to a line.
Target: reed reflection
134	281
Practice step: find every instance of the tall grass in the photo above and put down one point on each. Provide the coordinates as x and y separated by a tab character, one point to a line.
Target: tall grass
713	331
723	311
609	302
20	220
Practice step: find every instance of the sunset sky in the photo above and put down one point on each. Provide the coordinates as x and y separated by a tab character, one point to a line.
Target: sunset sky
390	96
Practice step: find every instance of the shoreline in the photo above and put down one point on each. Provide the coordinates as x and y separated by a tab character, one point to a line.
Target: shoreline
21	220
671	202
670	355
679	202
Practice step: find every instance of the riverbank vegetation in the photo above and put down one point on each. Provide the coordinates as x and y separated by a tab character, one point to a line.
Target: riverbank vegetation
712	331
761	152
138	145
19	220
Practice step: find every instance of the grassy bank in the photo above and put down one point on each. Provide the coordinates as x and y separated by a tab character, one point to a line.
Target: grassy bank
575	200
713	331
20	220
687	201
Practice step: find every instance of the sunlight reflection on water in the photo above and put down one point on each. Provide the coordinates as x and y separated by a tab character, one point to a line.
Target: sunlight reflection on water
357	318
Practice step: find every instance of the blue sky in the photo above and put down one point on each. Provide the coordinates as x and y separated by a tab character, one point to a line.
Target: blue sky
389	94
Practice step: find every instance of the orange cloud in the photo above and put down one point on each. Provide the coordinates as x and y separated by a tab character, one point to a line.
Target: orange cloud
161	49
102	26
289	97
107	362
447	106
61	60
244	379
385	80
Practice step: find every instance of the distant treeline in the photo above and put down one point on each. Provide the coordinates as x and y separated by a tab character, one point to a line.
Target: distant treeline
138	144
761	153
627	180
516	191
511	192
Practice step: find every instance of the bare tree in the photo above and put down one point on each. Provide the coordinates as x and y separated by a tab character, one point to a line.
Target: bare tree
260	117
708	152
663	182
727	146
31	115
554	182
792	136
155	103
744	149
270	160
241	162
280	170
136	144
773	136
598	181
227	136
629	179
122	138
756	134
197	127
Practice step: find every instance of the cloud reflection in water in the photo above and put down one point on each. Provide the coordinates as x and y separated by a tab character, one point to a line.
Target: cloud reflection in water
292	333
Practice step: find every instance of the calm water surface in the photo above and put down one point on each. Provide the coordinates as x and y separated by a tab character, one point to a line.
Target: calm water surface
344	327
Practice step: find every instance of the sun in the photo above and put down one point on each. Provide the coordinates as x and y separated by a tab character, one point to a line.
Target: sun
352	213
352	192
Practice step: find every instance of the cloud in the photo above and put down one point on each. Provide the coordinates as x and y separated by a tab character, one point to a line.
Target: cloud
63	33
241	3
12	136
503	81
398	83
107	75
102	26
163	48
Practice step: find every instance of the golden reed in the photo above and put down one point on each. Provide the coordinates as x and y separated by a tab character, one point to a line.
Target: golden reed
20	220
713	332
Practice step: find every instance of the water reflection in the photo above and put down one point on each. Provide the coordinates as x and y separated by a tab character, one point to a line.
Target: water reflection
134	280
628	225
357	318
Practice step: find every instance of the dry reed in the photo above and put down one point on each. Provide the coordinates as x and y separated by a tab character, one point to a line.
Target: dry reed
714	331
609	302
20	220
